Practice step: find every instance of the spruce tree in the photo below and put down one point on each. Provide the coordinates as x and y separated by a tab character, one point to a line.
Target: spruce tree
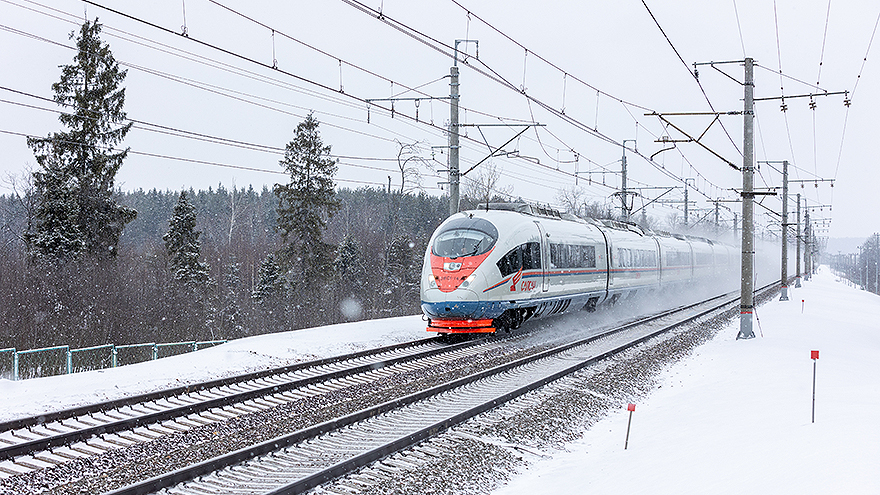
183	246
270	295
304	206
76	212
351	278
270	284
229	316
402	276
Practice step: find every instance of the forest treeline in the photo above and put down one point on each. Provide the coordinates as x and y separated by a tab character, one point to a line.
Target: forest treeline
376	241
83	263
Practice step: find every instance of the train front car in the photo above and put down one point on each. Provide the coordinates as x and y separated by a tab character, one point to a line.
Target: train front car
466	259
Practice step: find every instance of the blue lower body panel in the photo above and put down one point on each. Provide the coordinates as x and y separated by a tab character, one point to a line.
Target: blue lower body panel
475	310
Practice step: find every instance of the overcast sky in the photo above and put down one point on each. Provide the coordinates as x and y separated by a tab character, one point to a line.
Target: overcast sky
611	65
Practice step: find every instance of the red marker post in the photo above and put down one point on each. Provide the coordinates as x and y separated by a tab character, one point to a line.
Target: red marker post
814	355
630	408
802	311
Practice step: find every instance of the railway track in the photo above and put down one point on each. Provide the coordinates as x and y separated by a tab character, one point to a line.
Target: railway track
203	403
326	449
313	456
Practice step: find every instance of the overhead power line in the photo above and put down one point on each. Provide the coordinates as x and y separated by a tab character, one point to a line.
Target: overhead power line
257	62
206	162
175	131
325	88
692	73
566	73
493	75
298	77
853	93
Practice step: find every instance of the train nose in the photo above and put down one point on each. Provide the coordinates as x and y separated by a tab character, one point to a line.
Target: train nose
460	303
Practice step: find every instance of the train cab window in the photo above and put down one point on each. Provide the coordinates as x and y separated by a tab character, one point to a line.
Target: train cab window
526	256
465	237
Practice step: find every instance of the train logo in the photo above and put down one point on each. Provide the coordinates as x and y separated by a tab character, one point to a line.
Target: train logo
516	279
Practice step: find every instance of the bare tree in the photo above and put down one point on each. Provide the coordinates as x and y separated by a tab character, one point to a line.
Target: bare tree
23	200
482	186
572	199
673	221
410	162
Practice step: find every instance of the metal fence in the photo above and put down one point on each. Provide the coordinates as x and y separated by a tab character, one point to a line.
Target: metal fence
60	360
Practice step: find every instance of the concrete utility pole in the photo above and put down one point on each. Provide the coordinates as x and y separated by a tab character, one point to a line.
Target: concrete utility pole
807	241
784	296
624	207
453	138
797	280
716	218
686	202
735	225
747	302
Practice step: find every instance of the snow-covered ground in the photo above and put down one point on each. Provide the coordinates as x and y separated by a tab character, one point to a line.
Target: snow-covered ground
40	395
733	418
736	416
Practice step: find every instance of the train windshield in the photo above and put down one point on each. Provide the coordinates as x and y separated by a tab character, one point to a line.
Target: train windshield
465	237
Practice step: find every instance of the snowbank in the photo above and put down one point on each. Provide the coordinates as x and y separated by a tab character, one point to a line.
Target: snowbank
40	395
736	417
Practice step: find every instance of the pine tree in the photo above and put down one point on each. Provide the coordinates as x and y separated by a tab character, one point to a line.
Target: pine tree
55	232
349	264
76	212
304	205
270	284
230	316
350	273
402	276
183	246
270	295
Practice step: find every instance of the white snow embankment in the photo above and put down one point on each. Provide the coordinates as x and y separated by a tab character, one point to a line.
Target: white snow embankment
42	395
735	417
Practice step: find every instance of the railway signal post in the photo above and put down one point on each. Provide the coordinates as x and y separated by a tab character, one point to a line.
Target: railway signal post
630	408
814	355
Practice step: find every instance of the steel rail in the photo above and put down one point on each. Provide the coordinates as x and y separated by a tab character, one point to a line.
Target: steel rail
209	466
80	434
17	424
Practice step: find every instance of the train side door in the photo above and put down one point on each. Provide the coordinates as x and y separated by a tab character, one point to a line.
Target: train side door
545	257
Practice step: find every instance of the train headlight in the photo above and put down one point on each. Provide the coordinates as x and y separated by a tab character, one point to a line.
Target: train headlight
468	281
432	282
451	266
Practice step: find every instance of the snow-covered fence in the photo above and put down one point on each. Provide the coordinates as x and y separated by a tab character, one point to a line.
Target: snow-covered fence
175	348
135	353
34	363
7	362
60	360
91	358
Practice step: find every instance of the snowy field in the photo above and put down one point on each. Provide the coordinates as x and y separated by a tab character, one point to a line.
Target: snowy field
734	418
40	395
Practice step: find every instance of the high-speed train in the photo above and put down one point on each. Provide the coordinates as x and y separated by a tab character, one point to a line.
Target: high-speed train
492	269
